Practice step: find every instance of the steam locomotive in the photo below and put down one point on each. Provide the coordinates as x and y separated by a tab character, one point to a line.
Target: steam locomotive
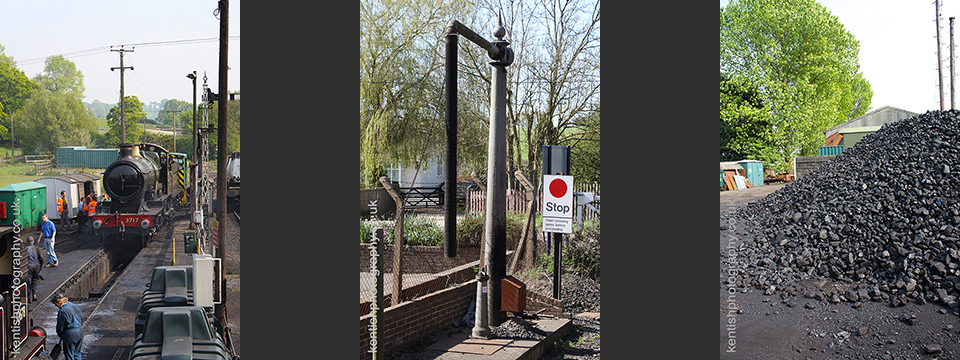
145	186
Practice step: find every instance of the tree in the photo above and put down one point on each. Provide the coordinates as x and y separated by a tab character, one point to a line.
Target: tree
15	88
165	116
49	120
745	125
801	61
555	78
401	82
6	59
584	145
133	110
61	76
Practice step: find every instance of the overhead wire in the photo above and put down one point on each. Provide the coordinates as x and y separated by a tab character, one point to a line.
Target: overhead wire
106	49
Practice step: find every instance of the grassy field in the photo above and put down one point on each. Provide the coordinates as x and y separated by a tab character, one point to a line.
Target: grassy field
18	173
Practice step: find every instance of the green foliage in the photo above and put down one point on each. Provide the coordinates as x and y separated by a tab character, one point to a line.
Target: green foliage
581	253
50	120
745	124
133	112
417	231
803	64
470	230
585	148
99	109
61	76
15	88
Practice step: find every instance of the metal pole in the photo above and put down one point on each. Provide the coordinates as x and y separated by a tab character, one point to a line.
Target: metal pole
450	163
193	155
496	217
952	71
939	60
495	254
222	158
557	238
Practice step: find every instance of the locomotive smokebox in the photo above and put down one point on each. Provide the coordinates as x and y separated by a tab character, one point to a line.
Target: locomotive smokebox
129	178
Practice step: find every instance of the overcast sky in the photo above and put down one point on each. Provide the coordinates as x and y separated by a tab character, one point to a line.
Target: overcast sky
898	49
30	31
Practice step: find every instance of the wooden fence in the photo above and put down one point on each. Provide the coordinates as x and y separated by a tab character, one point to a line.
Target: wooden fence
516	201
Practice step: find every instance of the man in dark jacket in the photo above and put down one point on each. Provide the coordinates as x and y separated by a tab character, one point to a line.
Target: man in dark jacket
68	326
34	259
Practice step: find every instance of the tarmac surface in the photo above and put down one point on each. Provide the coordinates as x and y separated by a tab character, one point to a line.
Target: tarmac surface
108	326
758	326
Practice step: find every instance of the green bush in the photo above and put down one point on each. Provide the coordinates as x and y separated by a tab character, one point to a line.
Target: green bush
470	230
581	253
417	231
422	231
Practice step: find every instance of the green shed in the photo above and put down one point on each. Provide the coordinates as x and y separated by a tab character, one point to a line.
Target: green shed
754	171
25	202
66	156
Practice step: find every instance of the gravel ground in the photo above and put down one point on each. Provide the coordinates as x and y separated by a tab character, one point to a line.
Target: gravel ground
579	295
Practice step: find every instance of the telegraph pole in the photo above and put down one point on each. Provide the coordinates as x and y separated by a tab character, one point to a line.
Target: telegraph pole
224	7
939	60
123	117
952	71
175	112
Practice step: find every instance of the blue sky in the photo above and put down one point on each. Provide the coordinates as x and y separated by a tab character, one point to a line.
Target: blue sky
30	31
898	49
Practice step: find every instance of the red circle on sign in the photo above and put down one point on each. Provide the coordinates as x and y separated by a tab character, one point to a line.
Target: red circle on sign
558	188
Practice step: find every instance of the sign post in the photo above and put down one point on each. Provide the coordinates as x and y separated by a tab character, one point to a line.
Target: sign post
557	217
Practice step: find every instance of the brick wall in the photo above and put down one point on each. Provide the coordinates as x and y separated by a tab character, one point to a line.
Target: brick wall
412	320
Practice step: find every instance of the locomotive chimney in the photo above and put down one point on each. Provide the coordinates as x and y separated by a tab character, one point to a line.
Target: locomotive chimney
129	150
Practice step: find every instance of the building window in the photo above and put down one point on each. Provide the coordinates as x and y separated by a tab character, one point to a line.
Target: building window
393	174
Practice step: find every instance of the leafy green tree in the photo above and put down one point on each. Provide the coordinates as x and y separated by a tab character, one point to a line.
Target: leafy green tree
745	125
165	116
49	120
6	59
802	63
99	109
401	81
61	76
133	110
15	88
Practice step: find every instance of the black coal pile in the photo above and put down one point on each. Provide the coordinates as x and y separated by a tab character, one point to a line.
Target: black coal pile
882	219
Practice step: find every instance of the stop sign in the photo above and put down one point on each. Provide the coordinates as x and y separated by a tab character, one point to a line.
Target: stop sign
558	196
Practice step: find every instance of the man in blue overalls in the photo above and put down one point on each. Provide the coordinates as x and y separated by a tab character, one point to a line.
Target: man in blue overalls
68	326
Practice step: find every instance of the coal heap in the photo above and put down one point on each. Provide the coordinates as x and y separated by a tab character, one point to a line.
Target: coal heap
881	218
